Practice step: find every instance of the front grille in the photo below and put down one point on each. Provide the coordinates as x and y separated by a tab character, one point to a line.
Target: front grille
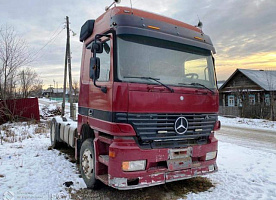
157	130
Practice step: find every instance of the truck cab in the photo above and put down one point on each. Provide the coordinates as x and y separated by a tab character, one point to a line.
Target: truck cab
148	102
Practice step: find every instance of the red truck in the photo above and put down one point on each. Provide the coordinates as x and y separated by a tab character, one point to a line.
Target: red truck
148	102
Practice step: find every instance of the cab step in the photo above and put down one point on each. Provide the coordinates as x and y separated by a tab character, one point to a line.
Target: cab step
104	159
106	138
103	178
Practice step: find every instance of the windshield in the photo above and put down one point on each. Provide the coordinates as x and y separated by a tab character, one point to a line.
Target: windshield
170	63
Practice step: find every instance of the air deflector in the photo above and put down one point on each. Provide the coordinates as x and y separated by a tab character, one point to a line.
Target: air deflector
87	30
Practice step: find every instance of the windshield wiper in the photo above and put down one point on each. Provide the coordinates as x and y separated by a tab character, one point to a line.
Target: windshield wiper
197	84
150	78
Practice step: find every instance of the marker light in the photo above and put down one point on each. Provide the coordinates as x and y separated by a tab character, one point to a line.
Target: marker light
154	27
112	154
199	38
134	165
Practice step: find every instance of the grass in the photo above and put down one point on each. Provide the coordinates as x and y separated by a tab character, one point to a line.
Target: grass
19	131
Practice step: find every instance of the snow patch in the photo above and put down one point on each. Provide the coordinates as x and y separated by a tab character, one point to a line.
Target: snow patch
29	168
18	131
257	124
244	173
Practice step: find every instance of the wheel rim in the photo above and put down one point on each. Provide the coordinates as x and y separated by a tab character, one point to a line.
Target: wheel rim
87	163
53	132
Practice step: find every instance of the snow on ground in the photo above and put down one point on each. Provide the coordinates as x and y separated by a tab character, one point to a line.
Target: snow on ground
28	168
257	124
244	173
30	171
47	108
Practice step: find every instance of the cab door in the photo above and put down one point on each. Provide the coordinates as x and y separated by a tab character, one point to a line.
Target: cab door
100	103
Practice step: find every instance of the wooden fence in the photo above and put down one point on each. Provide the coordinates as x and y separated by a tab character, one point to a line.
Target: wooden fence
231	111
250	111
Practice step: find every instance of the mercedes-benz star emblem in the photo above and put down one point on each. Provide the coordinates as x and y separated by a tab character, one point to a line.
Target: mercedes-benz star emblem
181	125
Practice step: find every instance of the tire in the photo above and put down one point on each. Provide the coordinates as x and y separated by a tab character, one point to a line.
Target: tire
54	136
87	164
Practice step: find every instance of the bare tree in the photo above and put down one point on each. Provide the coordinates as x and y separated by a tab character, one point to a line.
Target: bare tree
241	96
13	55
37	89
75	88
29	82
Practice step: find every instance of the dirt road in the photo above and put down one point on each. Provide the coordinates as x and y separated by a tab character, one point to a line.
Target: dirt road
248	137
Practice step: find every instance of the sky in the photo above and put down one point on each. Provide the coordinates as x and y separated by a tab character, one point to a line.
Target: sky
242	31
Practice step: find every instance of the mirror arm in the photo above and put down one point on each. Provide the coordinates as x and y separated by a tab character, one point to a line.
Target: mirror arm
94	53
98	36
103	88
94	81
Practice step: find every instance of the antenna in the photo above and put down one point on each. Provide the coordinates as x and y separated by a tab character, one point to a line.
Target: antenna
200	24
131	6
115	1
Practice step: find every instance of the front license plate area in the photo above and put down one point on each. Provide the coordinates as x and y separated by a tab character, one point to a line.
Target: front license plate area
180	159
180	163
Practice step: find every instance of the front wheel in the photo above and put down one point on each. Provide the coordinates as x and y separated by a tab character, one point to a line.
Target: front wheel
87	164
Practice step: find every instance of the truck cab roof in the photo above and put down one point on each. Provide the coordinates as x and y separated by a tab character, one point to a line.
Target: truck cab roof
125	20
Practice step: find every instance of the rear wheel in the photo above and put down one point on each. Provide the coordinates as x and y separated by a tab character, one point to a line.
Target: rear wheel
87	164
54	134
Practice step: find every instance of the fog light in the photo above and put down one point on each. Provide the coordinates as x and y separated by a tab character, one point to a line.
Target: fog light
134	165
211	155
211	167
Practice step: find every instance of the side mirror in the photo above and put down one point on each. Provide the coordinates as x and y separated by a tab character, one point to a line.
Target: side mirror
97	46
94	72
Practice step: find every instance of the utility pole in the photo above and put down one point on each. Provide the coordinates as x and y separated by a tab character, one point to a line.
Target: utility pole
54	85
69	67
51	91
67	64
64	83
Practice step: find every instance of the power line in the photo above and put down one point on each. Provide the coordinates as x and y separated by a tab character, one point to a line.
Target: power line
57	29
54	32
50	41
135	2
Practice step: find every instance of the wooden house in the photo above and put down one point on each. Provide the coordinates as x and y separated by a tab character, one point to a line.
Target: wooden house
248	89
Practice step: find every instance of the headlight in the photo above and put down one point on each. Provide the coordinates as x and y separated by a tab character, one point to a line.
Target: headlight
211	155
134	165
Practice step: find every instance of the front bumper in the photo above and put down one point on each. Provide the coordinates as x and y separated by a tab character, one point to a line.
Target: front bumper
160	178
159	168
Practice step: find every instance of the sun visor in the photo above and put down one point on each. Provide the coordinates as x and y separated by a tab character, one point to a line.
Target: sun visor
125	30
